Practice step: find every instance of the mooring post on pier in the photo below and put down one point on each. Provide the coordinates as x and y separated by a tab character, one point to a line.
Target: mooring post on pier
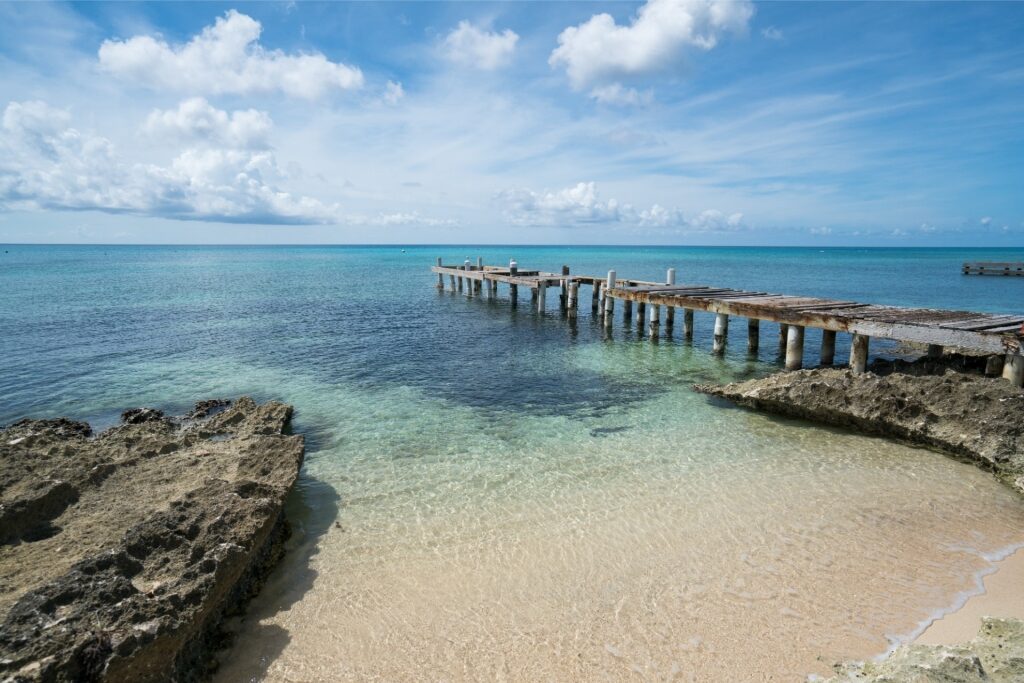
795	347
859	353
828	347
721	333
1013	369
563	295
440	276
782	338
609	302
513	290
654	325
574	298
753	334
688	324
670	311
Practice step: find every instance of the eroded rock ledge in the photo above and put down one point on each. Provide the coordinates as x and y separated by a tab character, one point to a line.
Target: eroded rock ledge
121	554
926	403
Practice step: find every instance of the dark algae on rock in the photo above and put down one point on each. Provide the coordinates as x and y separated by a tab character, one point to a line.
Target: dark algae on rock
121	554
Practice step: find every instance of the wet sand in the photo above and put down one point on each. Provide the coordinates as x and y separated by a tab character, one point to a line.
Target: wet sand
1003	596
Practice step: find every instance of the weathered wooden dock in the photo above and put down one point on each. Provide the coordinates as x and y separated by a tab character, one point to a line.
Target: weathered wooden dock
1000	336
994	268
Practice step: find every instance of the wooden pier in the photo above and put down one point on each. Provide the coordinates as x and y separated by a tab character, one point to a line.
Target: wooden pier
994	268
1001	336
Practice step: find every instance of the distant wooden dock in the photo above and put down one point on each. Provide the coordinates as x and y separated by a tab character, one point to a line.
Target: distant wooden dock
994	268
1001	336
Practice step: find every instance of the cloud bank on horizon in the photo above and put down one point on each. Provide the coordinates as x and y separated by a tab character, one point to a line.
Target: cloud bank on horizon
704	121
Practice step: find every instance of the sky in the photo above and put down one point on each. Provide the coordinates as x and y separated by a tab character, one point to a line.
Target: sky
662	122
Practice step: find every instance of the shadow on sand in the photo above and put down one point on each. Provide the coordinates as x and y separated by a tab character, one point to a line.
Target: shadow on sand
312	509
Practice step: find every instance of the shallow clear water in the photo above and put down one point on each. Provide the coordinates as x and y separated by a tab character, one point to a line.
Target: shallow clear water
492	493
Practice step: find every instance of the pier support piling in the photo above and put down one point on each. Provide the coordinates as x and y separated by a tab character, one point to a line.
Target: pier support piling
641	314
440	277
492	289
828	347
1013	369
572	303
794	347
627	311
688	324
563	295
753	334
994	366
721	333
451	278
595	297
609	302
783	337
859	353
541	295
934	351
654	325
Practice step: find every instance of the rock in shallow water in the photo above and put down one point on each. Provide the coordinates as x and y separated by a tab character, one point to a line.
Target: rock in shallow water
121	554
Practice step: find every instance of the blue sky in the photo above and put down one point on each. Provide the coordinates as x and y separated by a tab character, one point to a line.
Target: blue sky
665	122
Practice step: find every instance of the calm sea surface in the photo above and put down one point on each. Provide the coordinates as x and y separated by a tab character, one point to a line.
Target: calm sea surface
492	493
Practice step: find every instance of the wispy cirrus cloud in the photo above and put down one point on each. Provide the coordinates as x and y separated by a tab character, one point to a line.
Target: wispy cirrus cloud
225	59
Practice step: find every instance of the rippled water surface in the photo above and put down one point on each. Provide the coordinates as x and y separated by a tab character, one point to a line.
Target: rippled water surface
490	493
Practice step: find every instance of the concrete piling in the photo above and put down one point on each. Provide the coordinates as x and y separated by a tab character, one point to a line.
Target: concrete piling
859	353
1013	369
753	334
794	347
828	347
609	302
654	324
688	324
783	338
721	333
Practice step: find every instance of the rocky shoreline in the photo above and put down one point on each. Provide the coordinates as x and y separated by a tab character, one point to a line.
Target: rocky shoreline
122	553
946	404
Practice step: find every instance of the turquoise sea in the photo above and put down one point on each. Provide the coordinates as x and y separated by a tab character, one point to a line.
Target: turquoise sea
490	492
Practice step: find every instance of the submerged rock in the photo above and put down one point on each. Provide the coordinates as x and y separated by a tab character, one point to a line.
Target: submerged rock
996	655
120	555
930	404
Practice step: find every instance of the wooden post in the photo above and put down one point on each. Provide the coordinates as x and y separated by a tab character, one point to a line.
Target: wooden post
753	334
795	347
654	327
1013	369
782	339
440	276
828	347
541	291
688	324
609	302
934	351
859	353
721	333
574	295
563	296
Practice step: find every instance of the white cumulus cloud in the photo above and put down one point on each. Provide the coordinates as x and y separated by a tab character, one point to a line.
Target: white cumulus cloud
225	59
196	119
45	163
470	45
581	204
600	50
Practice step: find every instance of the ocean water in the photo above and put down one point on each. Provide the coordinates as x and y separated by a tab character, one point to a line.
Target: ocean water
492	493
